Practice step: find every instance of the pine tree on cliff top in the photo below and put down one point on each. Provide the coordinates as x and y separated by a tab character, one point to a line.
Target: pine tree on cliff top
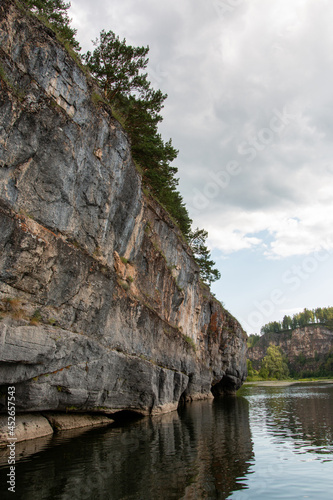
120	72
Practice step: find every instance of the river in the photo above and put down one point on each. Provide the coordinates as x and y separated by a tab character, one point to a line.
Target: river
267	443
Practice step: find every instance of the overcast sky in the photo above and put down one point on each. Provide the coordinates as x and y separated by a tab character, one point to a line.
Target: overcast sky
250	108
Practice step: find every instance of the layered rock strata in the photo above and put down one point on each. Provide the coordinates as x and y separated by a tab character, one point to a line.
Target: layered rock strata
304	348
101	303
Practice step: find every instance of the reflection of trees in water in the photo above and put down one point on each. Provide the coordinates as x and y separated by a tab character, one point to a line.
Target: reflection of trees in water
202	452
305	415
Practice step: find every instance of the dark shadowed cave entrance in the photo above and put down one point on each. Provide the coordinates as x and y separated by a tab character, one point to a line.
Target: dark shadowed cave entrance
225	386
122	416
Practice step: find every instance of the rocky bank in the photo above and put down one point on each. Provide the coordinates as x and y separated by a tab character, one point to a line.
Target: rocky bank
102	309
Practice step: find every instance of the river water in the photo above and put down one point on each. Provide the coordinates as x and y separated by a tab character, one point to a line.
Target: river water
266	443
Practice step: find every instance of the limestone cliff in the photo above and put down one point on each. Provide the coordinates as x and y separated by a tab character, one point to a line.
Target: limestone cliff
102	306
305	348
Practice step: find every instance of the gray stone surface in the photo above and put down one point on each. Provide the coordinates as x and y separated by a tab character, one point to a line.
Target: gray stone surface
100	298
66	421
28	426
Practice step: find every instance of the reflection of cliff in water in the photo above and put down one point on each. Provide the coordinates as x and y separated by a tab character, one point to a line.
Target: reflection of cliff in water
304	414
223	447
203	451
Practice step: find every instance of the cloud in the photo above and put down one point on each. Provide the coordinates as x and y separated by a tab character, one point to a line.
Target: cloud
308	231
228	76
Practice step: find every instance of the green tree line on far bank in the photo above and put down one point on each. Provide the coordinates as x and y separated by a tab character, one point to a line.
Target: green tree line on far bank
320	315
276	366
273	366
120	71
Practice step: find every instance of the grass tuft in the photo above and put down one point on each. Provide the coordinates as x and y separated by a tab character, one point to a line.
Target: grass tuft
36	318
189	341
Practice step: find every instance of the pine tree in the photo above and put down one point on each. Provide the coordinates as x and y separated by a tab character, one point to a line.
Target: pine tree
197	241
119	70
117	66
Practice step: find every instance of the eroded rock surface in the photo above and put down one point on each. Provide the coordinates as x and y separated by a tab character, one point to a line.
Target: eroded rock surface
305	348
28	426
101	303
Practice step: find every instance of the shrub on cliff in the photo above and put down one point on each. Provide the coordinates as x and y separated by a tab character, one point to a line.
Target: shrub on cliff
55	13
252	340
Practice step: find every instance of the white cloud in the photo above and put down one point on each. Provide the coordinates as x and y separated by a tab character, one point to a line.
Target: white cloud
225	75
307	231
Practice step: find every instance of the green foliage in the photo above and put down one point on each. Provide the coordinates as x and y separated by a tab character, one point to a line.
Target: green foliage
319	366
55	13
197	241
189	341
120	71
148	228
3	75
301	359
252	374
97	98
124	284
250	370
323	316
286	322
117	66
327	366
274	364
36	317
20	93
252	340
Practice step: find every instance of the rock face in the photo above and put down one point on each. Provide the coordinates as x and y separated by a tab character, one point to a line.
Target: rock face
28	426
34	425
102	306
305	348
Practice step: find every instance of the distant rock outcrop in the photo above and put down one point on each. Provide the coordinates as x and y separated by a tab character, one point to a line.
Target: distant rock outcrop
305	348
102	308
